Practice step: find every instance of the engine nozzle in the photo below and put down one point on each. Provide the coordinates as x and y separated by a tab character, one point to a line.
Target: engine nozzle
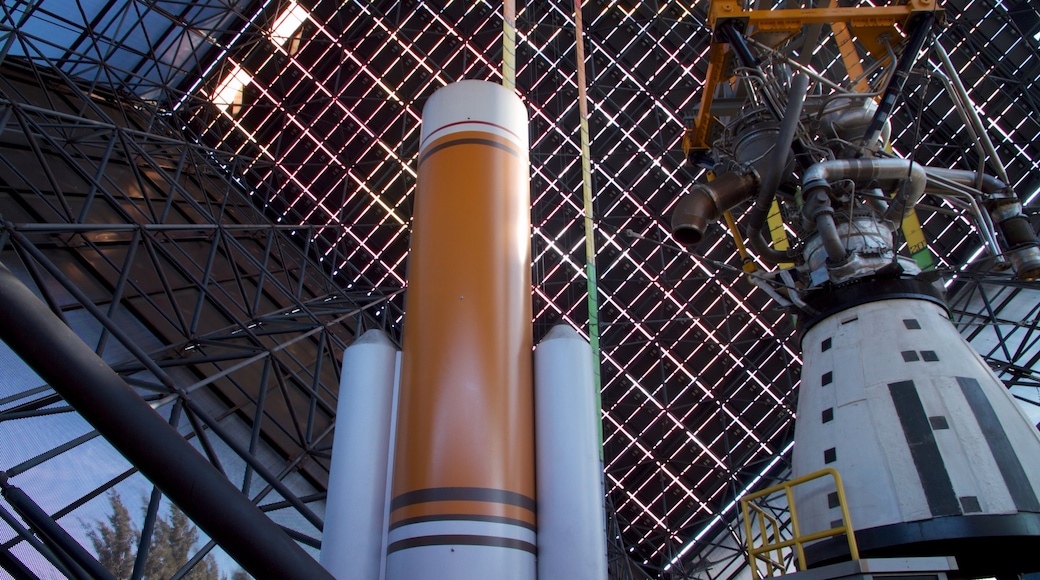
707	201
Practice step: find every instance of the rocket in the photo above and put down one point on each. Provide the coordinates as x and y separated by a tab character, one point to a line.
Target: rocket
936	456
463	495
571	522
457	482
355	514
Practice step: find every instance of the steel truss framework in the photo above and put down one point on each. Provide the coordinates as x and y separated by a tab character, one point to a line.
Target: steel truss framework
1001	319
217	317
182	184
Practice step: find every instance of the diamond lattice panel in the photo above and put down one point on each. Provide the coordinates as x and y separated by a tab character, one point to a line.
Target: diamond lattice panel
699	368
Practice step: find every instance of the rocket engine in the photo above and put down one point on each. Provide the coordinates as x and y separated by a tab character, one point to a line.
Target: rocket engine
936	457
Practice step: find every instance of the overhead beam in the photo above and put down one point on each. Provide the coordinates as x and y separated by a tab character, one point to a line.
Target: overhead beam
89	385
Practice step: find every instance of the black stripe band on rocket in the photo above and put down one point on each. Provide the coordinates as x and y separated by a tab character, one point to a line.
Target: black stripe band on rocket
466	518
482	494
470	141
461	540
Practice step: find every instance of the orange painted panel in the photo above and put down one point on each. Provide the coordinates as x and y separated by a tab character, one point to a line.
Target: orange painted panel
466	409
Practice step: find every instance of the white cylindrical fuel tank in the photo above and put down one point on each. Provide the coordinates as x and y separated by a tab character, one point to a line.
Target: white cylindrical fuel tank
463	492
352	540
572	540
936	457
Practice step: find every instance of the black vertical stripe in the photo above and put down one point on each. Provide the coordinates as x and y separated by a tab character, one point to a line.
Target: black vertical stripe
1003	453
931	469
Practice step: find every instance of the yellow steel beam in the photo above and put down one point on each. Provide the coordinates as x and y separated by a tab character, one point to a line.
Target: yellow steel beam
781	19
697	138
777	233
849	54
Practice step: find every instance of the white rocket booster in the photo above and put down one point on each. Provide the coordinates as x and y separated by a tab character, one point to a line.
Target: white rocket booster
352	541
572	540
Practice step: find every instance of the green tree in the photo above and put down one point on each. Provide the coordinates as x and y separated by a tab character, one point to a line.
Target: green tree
115	541
173	539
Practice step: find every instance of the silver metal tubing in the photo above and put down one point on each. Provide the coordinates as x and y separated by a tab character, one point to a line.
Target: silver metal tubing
989	184
781	151
957	188
970	111
828	231
867	170
961	107
1003	211
818	210
795	64
876	201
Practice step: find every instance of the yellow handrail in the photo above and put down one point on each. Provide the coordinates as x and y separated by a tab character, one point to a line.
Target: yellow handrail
773	543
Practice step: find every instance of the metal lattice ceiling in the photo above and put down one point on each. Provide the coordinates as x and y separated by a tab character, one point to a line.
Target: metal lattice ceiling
320	121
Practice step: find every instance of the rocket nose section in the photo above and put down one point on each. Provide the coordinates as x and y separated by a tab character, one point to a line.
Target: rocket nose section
474	105
561	332
372	336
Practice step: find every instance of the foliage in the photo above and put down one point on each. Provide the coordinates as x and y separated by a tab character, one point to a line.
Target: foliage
115	540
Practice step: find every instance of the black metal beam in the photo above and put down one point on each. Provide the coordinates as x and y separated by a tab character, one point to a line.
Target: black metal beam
88	384
15	567
74	555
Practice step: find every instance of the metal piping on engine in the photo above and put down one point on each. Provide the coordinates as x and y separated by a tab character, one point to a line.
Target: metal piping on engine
899	76
986	184
868	170
847	121
1005	214
818	210
968	112
778	161
943	187
1020	238
907	197
731	32
816	186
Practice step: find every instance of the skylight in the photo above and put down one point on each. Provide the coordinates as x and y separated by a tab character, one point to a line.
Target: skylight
287	23
228	94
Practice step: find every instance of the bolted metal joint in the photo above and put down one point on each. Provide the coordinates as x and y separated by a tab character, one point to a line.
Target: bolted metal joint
1021	245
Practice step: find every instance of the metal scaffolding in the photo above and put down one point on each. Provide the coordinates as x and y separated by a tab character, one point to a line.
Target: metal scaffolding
146	246
217	199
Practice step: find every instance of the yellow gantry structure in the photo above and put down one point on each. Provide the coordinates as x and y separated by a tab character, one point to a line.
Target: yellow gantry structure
875	28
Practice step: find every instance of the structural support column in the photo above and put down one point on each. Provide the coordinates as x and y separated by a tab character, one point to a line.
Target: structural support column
101	397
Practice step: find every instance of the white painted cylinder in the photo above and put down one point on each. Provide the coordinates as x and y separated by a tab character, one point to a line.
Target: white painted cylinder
572	540
352	541
929	443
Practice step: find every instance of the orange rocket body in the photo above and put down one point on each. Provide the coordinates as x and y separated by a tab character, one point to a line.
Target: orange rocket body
463	493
